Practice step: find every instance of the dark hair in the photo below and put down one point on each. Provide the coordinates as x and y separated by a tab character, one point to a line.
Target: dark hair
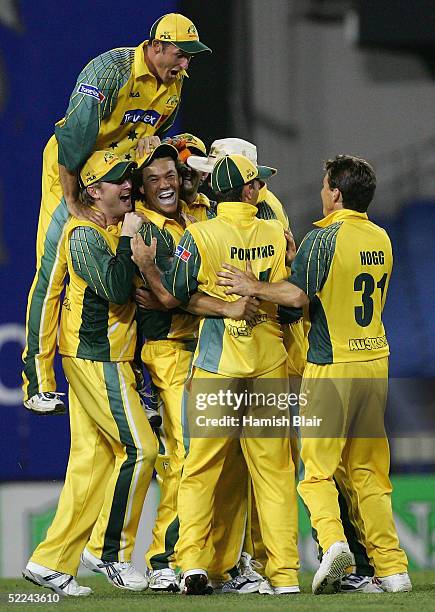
232	195
354	178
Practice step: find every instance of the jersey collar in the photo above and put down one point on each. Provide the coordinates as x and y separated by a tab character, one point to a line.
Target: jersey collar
159	219
236	210
201	200
340	215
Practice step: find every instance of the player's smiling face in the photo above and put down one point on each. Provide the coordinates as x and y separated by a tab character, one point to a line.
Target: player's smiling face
160	186
113	199
169	61
190	180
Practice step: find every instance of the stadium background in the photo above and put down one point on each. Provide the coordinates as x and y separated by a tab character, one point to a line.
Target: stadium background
304	81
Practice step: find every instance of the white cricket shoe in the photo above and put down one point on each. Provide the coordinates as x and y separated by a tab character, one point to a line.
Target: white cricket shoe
46	403
396	583
335	560
353	583
163	580
122	574
248	580
62	584
267	589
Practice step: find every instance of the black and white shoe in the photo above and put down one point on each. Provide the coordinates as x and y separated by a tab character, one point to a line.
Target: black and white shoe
336	559
122	574
62	584
195	582
354	583
45	403
248	580
163	580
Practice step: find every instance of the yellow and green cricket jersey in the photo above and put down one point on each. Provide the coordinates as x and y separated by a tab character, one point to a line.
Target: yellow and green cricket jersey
235	236
116	101
344	267
175	324
200	208
269	207
98	313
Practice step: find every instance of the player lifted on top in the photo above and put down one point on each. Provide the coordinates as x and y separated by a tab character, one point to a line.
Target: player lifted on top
123	98
342	270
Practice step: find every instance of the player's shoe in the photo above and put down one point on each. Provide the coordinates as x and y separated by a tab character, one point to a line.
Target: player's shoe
195	582
163	580
248	580
396	583
123	575
153	416
267	589
62	584
46	403
353	583
328	577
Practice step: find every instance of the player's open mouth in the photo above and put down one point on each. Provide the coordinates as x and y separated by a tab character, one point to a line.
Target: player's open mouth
167	198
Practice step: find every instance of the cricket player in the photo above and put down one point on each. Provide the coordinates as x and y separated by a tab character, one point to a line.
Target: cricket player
113	449
171	337
123	99
225	350
342	269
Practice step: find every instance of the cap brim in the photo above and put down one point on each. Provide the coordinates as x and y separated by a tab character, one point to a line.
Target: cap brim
117	171
264	172
200	164
191	46
163	150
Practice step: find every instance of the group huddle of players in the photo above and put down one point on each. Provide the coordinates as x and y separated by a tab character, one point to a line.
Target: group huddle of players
211	299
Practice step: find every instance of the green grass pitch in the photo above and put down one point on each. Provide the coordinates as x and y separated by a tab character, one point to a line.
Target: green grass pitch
107	599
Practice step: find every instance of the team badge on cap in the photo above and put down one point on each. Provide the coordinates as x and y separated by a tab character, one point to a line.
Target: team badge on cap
180	31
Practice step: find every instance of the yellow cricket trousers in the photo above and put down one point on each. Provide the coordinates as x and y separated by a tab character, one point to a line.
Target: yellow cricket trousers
168	363
365	460
110	466
271	469
43	303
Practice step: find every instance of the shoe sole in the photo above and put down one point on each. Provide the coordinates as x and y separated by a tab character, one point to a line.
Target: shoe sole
39	581
172	588
331	582
55	411
197	585
91	567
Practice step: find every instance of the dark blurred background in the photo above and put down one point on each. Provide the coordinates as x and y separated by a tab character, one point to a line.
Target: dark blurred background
303	80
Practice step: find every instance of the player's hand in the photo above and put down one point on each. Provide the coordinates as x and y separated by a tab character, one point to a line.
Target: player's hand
290	252
132	224
237	281
146	145
79	210
146	299
242	309
143	255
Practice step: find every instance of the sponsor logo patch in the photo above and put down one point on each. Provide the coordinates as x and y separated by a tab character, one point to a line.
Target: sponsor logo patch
138	115
90	90
182	253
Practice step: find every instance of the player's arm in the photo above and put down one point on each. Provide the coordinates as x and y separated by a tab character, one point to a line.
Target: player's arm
109	276
310	268
92	99
201	304
178	285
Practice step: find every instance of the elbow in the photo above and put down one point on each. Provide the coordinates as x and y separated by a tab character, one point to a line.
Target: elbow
299	298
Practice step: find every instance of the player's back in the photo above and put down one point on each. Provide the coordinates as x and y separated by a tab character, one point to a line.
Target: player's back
346	313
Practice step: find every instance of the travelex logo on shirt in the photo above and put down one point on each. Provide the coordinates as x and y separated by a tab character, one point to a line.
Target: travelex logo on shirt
141	116
90	90
182	253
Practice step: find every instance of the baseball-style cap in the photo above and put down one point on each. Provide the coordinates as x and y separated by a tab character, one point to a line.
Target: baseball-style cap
104	166
226	146
162	150
187	145
177	29
236	170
